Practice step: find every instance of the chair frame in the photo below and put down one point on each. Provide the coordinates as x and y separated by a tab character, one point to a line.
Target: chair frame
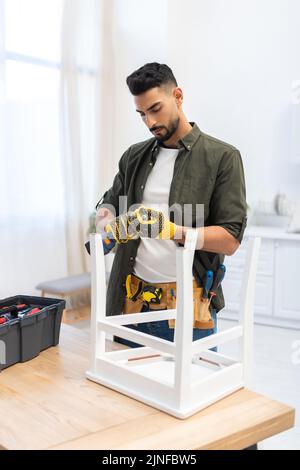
180	377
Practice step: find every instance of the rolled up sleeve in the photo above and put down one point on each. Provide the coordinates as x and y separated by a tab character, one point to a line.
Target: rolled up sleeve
228	206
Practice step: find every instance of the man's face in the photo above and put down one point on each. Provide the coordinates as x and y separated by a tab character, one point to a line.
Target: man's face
159	110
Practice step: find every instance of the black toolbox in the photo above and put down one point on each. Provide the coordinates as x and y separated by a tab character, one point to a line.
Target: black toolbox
22	339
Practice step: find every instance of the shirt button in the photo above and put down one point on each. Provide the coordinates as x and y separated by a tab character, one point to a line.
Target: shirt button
150	164
131	258
189	147
142	187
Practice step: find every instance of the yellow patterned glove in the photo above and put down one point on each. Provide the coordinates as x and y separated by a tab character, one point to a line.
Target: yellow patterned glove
122	228
153	224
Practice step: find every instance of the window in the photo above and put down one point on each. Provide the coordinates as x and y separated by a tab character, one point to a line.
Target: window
32	135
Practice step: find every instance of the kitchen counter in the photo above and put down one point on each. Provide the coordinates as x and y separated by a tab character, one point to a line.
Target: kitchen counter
270	232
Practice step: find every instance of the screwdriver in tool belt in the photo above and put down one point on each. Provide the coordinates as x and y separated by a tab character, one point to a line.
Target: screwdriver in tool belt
218	278
208	280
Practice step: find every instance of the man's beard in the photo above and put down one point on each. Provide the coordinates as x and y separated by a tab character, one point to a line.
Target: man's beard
169	131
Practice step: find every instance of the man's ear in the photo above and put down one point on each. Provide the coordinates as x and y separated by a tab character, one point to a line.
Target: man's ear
178	94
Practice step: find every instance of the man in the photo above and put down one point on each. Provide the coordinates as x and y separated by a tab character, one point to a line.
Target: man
179	165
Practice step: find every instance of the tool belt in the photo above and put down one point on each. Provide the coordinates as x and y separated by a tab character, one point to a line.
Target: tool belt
160	296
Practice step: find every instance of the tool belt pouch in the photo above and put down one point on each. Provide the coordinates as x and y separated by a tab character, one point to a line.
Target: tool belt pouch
138	287
131	306
202	316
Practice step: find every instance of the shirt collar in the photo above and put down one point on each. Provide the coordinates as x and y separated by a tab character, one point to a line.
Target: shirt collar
187	141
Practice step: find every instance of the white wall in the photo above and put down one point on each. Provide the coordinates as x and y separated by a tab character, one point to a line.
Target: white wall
236	61
140	37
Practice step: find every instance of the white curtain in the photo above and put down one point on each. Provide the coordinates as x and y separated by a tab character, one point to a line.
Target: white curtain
2	95
32	238
87	112
59	150
52	175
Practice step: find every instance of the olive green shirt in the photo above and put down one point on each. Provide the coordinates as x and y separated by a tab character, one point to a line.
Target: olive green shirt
207	171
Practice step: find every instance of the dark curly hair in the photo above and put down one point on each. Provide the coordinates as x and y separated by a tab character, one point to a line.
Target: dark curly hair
149	76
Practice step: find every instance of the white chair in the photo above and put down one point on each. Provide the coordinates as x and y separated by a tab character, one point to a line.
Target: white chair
179	378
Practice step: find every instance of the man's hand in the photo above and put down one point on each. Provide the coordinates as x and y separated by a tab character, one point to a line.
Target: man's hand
144	222
103	217
122	228
153	224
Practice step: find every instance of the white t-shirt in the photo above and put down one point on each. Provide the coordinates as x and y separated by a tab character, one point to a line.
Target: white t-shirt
156	259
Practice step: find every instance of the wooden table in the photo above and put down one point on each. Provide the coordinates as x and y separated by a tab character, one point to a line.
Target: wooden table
47	403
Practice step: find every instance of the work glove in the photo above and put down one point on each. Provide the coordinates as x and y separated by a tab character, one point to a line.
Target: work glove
153	224
122	228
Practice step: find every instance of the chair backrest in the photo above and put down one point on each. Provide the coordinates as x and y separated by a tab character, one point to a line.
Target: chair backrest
246	305
249	275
